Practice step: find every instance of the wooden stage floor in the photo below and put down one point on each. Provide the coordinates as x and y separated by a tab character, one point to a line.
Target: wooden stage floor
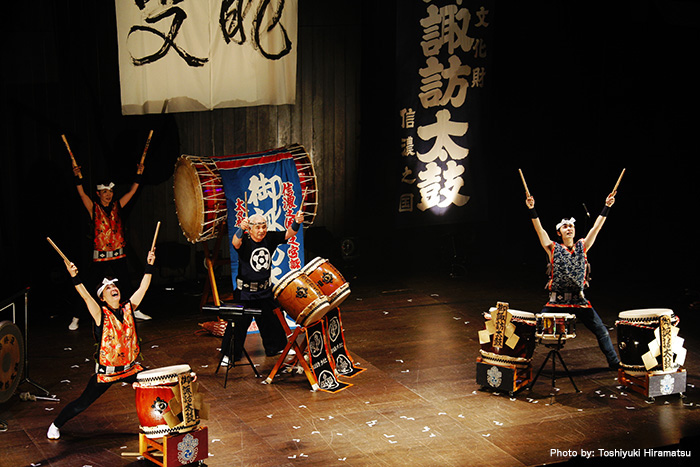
417	402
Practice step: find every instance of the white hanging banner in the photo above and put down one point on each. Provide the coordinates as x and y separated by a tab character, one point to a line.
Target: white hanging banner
206	54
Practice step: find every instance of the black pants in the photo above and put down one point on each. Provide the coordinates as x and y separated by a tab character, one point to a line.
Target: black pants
271	331
90	394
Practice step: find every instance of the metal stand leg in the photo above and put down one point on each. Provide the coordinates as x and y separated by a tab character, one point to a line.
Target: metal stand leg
554	352
231	363
26	378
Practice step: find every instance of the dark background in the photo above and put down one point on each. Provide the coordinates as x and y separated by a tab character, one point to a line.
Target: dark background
576	92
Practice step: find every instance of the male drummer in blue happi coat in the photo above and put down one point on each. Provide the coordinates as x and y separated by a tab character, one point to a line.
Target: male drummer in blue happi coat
568	274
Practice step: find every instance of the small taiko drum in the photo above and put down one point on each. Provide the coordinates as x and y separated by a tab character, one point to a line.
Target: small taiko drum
521	354
301	298
328	279
154	393
555	326
200	201
635	330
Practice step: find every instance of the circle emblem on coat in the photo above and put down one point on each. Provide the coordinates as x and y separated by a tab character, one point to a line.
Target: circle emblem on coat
260	260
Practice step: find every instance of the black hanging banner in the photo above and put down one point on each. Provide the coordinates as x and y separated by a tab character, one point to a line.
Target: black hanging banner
342	361
442	73
320	361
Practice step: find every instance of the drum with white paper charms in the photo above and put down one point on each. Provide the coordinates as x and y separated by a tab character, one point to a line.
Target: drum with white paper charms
155	401
521	352
636	331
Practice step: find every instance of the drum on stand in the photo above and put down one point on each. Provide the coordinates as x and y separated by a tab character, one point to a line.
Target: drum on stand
154	393
521	354
200	201
301	298
329	280
555	326
635	330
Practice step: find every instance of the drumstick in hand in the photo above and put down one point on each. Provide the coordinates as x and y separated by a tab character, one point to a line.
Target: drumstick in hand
75	164
145	149
155	236
618	181
58	250
527	192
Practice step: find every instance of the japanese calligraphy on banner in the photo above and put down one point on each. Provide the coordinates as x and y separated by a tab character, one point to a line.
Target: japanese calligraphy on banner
442	49
265	183
206	54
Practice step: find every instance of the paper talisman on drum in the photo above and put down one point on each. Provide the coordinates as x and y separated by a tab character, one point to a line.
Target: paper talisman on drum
275	184
342	362
320	361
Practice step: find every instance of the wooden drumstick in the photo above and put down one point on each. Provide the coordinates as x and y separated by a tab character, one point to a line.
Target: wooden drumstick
145	149
58	250
527	192
75	164
155	236
618	181
246	203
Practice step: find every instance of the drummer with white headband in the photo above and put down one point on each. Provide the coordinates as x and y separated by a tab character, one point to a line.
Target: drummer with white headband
568	268
115	331
255	247
109	239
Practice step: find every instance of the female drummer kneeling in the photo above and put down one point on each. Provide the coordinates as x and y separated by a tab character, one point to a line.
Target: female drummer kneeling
115	332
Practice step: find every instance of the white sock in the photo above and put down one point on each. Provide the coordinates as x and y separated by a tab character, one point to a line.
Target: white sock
54	432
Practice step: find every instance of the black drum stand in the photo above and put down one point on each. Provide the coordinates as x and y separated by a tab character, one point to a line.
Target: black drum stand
554	348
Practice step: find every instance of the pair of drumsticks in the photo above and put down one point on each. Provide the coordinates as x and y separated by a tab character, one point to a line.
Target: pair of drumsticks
75	164
67	261
614	191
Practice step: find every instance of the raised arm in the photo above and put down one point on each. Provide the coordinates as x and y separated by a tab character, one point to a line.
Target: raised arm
124	200
137	297
545	241
87	202
295	226
237	239
92	305
593	233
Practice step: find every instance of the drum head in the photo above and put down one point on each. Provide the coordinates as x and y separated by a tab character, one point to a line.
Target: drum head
189	202
313	265
11	359
163	374
516	313
645	313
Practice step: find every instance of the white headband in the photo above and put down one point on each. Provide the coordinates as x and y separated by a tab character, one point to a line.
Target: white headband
105	187
105	283
563	222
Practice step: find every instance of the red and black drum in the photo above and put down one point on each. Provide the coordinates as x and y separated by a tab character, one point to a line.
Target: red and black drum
521	353
155	393
635	330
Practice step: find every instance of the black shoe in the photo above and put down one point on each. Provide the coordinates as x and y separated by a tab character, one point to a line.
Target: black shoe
272	354
614	366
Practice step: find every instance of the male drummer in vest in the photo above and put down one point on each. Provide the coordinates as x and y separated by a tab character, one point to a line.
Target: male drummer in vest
109	240
568	280
118	343
253	285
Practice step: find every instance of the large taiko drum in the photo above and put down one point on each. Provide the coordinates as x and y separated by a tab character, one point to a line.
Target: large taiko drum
301	298
154	393
200	201
328	279
555	326
521	354
635	330
307	180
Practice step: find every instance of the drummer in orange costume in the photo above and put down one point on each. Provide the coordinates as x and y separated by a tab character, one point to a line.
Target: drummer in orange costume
109	240
253	285
117	340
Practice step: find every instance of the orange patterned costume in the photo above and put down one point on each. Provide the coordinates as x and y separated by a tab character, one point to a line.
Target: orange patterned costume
109	233
119	346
